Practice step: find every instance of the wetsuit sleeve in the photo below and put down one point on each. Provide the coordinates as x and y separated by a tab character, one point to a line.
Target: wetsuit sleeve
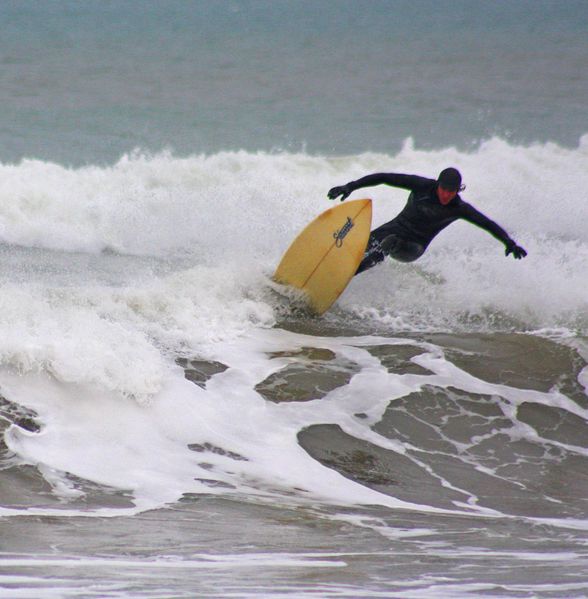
411	182
471	215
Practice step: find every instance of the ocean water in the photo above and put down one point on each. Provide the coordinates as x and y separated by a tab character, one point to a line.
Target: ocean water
169	425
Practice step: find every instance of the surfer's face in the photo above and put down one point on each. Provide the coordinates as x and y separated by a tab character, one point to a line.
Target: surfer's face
445	195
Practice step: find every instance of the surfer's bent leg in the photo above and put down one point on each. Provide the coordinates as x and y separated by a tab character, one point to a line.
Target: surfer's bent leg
402	249
373	254
391	245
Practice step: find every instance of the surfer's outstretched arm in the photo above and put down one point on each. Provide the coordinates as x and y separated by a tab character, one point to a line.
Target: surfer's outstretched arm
477	218
394	179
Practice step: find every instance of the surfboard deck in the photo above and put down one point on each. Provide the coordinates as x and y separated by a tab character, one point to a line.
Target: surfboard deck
325	255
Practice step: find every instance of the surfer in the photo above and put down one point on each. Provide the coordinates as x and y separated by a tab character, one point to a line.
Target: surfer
431	206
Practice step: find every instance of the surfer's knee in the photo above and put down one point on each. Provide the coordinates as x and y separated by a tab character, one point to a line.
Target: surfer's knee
393	246
405	257
403	250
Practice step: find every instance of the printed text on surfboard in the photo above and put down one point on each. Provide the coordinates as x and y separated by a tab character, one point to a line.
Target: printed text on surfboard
342	232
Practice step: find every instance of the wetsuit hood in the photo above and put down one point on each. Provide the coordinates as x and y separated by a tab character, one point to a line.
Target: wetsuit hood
450	179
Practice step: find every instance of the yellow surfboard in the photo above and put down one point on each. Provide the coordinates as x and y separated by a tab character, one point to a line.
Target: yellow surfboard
326	254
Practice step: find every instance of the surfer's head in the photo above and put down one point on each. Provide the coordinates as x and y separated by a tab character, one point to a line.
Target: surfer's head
450	179
448	184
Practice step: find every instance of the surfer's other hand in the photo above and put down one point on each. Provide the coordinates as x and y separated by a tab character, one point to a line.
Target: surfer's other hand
342	191
516	250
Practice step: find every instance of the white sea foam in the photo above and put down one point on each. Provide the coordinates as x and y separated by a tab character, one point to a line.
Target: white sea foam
146	449
226	439
156	204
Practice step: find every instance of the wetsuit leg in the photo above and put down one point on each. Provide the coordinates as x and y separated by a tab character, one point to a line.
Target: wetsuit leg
401	249
373	254
381	245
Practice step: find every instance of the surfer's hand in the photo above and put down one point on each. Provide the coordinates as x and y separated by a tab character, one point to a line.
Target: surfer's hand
342	191
516	250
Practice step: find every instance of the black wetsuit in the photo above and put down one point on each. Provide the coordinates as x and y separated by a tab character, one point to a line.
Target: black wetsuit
406	237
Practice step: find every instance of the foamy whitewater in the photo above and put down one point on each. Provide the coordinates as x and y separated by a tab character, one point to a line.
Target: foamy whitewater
171	423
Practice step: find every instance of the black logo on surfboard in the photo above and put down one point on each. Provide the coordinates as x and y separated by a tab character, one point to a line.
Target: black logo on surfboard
342	232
